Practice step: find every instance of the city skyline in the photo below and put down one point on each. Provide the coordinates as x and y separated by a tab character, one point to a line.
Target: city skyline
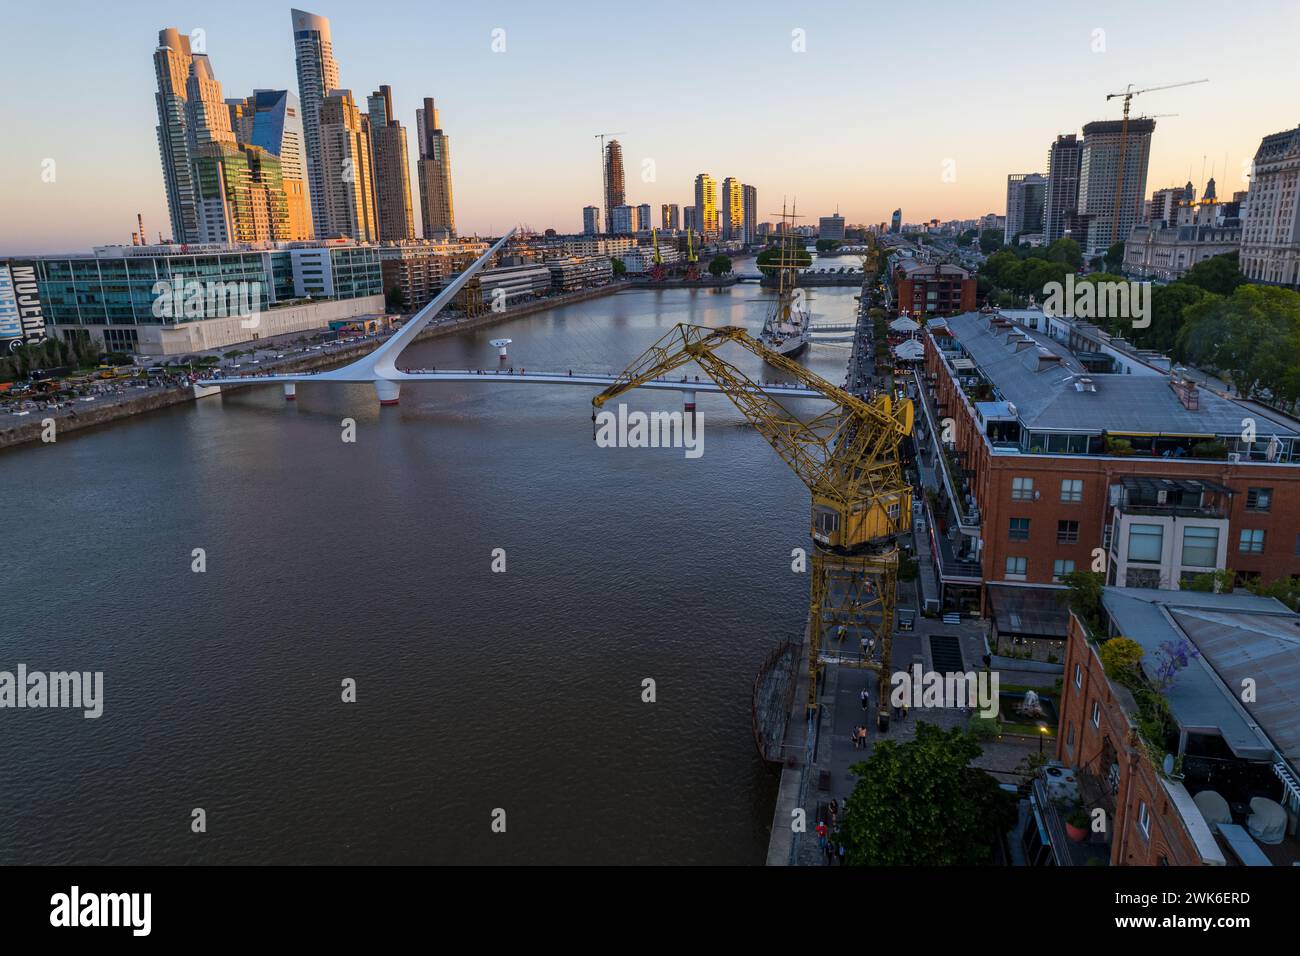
95	194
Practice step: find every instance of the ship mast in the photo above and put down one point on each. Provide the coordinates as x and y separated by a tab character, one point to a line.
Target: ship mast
787	273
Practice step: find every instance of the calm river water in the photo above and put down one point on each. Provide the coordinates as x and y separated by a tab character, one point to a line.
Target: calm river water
372	561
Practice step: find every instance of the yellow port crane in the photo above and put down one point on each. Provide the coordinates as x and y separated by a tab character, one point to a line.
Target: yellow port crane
847	455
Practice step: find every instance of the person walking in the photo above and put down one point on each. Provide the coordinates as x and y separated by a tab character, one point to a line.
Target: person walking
865	697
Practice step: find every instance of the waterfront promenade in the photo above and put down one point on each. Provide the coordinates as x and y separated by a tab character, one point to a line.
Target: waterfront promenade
131	401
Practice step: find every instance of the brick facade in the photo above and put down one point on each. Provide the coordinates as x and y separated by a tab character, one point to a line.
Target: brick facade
993	485
1093	748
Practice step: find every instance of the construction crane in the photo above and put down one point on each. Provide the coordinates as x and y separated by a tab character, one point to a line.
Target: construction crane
1128	95
604	180
848	456
657	271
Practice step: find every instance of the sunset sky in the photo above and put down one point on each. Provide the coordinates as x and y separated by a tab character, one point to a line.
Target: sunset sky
864	119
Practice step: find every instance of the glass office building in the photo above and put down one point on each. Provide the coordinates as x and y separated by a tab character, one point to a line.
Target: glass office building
111	287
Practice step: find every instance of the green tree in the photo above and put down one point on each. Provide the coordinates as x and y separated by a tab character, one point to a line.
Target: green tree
1285	588
619	268
1066	251
921	803
771	256
719	265
1252	336
826	245
1113	260
395	300
1167	305
1212	582
1120	654
991	240
1217	274
1084	599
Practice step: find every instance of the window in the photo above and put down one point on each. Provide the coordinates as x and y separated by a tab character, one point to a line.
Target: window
1069	736
1072	489
1067	532
1060	568
1017	567
1019	529
1200	546
1139	577
1144	819
1259	499
1078	675
1251	541
1096	713
1145	542
1022	489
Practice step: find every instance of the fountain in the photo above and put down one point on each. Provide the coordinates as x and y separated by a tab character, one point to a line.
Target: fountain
1030	706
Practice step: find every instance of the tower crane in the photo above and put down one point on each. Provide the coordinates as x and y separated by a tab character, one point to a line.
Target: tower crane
847	455
1128	95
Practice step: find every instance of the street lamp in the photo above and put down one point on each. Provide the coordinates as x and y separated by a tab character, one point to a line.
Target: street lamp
1042	732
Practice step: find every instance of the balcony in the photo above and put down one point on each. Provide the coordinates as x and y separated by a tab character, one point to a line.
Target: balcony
946	469
1176	497
1057	792
953	565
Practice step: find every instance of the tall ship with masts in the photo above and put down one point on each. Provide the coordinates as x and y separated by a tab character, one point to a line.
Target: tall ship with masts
787	330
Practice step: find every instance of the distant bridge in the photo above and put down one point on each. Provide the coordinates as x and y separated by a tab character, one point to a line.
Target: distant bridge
379	367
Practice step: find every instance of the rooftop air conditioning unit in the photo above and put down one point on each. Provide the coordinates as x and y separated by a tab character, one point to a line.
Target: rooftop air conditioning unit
1162	497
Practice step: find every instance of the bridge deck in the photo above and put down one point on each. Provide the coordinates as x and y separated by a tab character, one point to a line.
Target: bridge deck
496	378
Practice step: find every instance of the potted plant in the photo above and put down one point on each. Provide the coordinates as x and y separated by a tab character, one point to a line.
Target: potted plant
1076	825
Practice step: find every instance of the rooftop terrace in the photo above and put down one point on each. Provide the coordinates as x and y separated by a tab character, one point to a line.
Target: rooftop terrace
1045	386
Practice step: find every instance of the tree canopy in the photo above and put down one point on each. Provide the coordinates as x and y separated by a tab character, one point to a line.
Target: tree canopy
52	353
771	256
1252	336
921	803
1218	274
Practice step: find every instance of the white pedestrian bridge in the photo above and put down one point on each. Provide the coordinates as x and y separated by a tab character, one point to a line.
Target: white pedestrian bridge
379	367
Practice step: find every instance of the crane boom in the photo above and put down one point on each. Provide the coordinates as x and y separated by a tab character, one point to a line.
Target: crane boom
847	455
1123	146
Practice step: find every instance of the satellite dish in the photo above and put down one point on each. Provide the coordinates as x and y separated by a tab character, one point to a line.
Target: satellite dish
1169	765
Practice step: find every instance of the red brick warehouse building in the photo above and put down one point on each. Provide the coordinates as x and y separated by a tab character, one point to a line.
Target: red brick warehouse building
1218	785
1045	463
924	288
